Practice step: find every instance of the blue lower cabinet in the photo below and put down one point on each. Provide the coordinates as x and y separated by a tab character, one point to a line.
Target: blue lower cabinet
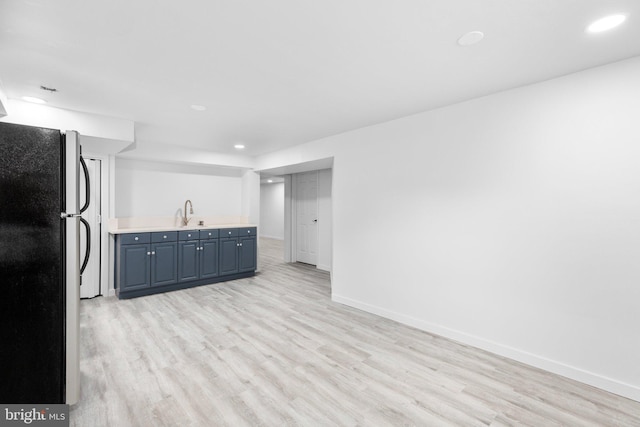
145	260
135	267
164	263
228	256
208	258
189	265
148	263
198	259
247	256
238	251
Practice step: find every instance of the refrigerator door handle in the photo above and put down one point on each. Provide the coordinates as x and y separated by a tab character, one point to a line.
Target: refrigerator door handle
87	187
87	252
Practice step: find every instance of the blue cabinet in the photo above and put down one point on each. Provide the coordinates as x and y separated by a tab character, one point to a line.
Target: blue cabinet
228	255
148	263
238	250
135	269
189	260
164	263
247	254
145	260
198	259
208	258
164	258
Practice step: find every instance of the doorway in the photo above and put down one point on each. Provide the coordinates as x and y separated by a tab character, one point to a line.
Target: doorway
308	218
322	229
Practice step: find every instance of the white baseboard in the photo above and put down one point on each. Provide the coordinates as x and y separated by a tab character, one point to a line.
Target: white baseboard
590	378
323	267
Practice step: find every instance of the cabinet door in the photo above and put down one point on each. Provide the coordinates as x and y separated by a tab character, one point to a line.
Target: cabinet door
208	258
164	263
134	270
247	256
188	260
228	256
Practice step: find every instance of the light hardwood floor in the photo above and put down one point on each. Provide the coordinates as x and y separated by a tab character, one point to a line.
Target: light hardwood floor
275	350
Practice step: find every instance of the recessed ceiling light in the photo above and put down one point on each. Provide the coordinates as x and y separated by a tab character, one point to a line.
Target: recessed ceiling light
270	181
239	147
606	23
198	107
472	37
34	100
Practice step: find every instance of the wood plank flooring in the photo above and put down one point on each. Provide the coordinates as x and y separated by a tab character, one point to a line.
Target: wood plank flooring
274	350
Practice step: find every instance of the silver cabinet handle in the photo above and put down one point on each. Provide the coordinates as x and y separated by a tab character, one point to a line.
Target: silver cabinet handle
164	237
153	252
136	238
240	244
148	253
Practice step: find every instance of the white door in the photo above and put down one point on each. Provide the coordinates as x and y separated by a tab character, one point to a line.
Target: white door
307	217
91	277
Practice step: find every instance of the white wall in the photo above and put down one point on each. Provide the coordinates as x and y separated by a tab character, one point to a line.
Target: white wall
161	189
272	210
509	222
250	207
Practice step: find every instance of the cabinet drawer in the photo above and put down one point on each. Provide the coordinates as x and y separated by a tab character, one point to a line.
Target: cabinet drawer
164	236
133	238
208	234
247	231
189	235
228	232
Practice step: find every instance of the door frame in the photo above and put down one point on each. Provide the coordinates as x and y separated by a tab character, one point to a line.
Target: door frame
290	221
290	247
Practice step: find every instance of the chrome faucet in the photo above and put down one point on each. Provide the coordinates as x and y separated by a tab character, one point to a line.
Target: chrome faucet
185	219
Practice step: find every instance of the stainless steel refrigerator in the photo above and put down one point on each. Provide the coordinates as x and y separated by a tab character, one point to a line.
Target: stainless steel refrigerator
40	264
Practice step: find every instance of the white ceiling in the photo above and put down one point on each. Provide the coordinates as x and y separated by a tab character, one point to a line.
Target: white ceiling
277	73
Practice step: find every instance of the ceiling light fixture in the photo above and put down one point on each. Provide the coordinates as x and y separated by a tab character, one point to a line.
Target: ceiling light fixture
472	37
606	23
198	107
34	100
239	147
270	181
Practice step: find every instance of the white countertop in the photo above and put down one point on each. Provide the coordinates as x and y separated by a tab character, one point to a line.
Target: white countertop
181	228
